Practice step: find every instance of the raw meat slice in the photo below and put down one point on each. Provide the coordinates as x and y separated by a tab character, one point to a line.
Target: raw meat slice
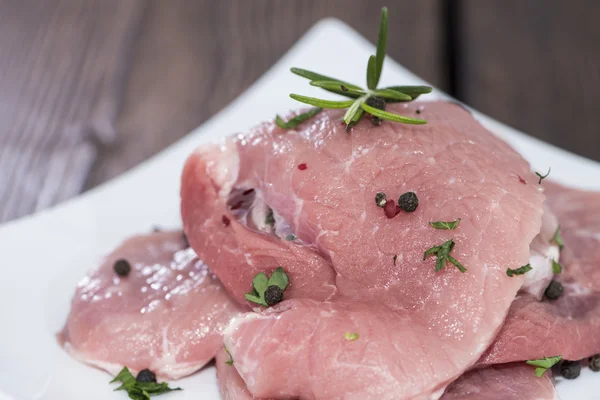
231	385
167	315
502	382
569	325
321	183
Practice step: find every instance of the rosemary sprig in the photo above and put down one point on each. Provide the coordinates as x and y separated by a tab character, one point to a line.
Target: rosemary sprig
357	106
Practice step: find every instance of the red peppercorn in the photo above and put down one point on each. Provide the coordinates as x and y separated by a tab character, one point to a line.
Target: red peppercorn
225	220
302	167
391	209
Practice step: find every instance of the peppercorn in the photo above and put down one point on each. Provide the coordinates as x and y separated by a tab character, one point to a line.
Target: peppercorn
554	290
408	202
146	375
380	199
570	369
594	363
379	103
122	267
273	295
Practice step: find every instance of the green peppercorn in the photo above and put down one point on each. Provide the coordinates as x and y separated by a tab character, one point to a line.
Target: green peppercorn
122	267
570	369
554	290
594	363
380	199
408	202
146	375
379	103
273	295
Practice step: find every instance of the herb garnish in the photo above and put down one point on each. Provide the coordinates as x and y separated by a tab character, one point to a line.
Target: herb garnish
359	96
140	390
395	258
556	267
351	336
290	237
542	177
230	361
556	238
519	271
266	291
298	119
270	218
544	364
442	253
445	225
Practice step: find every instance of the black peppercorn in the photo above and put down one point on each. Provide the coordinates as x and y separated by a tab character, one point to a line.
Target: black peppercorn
122	267
408	202
379	103
380	199
273	295
594	363
146	375
554	290
570	369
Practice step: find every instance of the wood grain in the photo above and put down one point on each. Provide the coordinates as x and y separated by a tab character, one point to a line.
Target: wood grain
60	74
194	57
536	66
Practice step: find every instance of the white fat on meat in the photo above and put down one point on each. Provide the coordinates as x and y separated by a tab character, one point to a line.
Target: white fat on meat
543	252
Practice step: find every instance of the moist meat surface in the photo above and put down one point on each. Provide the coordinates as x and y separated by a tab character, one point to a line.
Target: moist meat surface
341	265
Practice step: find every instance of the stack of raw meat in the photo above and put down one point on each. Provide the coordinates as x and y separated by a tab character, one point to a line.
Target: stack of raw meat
364	315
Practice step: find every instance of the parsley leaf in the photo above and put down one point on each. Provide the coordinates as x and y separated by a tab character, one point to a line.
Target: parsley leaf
556	267
442	253
556	238
140	390
445	225
544	364
519	271
542	177
230	361
351	336
260	284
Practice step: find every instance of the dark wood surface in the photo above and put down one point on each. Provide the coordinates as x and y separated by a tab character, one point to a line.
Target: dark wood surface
90	88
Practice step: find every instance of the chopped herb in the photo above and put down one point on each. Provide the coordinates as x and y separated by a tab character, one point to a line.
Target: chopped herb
186	242
140	390
290	237
570	369
380	199
442	253
230	361
351	336
270	218
261	285
543	364
556	267
556	238
519	271
298	119
122	267
445	225
542	177
554	290
395	258
408	202
361	100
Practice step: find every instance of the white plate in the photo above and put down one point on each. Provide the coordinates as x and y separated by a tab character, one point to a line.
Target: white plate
44	255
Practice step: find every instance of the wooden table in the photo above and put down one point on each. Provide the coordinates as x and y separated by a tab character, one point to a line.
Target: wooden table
89	88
